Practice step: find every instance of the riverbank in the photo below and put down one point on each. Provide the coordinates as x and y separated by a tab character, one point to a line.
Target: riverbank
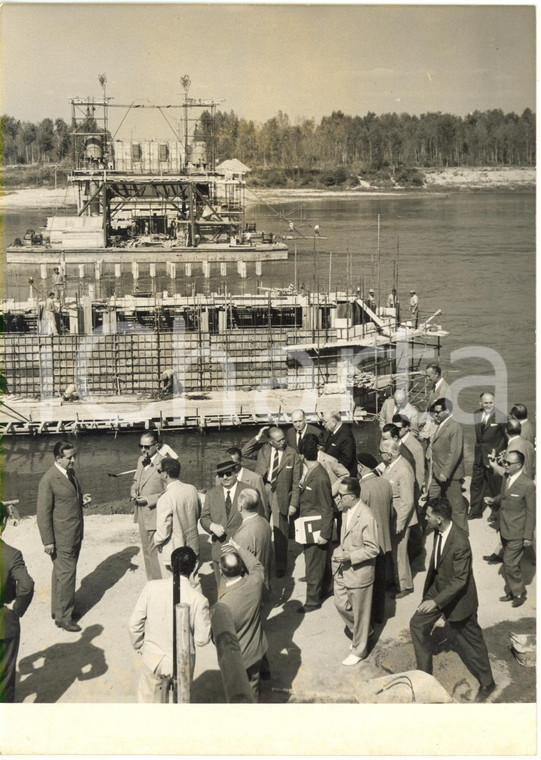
436	180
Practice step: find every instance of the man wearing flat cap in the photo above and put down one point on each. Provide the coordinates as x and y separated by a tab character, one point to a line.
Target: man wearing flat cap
221	517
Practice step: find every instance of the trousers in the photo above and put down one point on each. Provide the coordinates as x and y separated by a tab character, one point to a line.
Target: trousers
315	559
401	563
483	480
9	649
150	553
474	653
63	582
354	606
452	490
280	531
513	551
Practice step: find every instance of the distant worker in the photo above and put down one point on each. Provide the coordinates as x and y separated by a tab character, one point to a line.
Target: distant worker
316	230
414	308
291	226
48	318
59	284
17	587
151	625
169	384
371	301
392	299
71	393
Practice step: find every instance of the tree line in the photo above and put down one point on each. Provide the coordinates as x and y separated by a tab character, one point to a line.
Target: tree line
367	142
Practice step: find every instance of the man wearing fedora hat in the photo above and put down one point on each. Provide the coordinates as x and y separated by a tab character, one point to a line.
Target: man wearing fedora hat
220	516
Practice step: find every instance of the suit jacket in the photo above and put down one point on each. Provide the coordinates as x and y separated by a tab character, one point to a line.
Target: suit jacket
389	409
451	584
177	512
360	539
151	622
517	508
214	512
316	499
17	587
60	510
443	391
334	470
254	480
255	534
526	448
402	481
528	431
341	445
291	435
244	600
288	476
418	456
377	492
147	484
448	451
488	437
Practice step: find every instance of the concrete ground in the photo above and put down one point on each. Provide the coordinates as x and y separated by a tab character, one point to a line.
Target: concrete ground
305	651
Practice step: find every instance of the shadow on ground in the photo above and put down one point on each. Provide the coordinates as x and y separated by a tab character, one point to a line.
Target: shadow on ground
104	576
62	665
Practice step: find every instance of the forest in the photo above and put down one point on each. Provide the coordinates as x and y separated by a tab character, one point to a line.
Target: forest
341	144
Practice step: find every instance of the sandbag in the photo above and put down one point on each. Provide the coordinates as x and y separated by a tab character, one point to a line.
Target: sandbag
523	646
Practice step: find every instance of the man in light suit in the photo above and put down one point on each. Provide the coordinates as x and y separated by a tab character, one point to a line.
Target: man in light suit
250	478
410	442
516	502
299	429
340	441
220	516
60	523
489	440
398	404
447	452
400	475
280	467
243	577
17	587
353	564
147	487
377	492
177	512
450	591
520	413
151	625
254	533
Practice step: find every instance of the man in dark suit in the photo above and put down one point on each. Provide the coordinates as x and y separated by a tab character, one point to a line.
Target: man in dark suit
147	487
280	467
377	492
249	478
60	523
447	452
340	442
254	533
17	587
220	516
315	501
450	591
520	413
243	578
516	503
489	439
299	429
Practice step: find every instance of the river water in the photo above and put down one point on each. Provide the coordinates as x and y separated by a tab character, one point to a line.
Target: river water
470	254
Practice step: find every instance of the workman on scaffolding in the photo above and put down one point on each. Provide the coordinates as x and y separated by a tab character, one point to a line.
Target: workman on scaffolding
169	384
414	308
59	284
371	301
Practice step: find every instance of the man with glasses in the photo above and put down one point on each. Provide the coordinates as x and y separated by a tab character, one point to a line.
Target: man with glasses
146	489
353	564
280	466
60	523
221	517
516	502
447	458
400	475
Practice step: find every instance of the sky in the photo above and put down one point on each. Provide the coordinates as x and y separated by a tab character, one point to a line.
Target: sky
305	61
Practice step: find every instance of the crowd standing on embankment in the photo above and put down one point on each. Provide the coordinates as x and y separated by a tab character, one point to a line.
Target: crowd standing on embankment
360	524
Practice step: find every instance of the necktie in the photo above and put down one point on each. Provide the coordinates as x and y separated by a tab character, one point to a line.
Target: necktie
228	502
299	439
274	470
72	480
437	556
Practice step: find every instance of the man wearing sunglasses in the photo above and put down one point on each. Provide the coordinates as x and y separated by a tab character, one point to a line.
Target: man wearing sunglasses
147	487
221	517
516	502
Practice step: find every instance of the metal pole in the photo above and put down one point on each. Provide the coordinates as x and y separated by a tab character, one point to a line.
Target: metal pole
234	678
330	270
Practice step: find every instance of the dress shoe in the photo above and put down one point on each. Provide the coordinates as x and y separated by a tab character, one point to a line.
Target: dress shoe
485	691
474	517
70	626
402	594
492	559
303	579
308	608
327	593
352	659
507	598
518	601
